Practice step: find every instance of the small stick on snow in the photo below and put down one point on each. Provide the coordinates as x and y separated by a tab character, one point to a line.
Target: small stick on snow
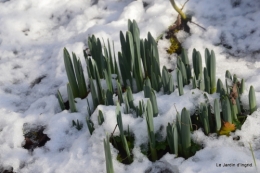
175	108
184	4
198	25
113	131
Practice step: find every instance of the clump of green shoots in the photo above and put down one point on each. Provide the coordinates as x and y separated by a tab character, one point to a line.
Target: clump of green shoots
77	125
138	69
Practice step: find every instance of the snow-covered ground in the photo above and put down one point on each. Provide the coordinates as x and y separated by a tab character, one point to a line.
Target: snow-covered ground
32	37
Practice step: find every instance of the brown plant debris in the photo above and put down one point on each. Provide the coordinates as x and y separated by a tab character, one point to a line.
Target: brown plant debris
34	136
233	94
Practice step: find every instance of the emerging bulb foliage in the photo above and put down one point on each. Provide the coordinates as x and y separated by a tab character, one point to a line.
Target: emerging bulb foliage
138	69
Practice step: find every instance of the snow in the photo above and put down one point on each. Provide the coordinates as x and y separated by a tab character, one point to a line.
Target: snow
32	37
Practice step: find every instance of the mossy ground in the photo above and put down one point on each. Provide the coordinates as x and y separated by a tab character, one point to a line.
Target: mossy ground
118	144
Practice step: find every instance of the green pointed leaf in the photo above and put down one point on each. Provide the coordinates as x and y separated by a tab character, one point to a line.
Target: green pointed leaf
219	86
93	93
108	156
242	87
172	138
226	110
217	115
150	129
100	117
71	99
70	73
122	136
154	103
61	102
206	80
119	93
185	132
180	83
252	100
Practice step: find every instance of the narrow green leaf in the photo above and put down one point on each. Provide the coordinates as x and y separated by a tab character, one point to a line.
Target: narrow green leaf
100	117
143	56
207	59
226	110
188	71
185	132
242	87
150	129
90	126
217	115
117	72
228	75
125	71
108	81
170	84
61	102
109	163
138	73
252	100
155	82
119	93
205	120
71	99
172	138
93	93
130	97
238	106
109	98
129	54
234	110
147	88
70	73
180	83
165	80
184	56
182	68
212	72
197	64
201	83
206	80
219	86
194	53
127	107
111	65
88	108
154	103
99	87
80	77
122	136
194	83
